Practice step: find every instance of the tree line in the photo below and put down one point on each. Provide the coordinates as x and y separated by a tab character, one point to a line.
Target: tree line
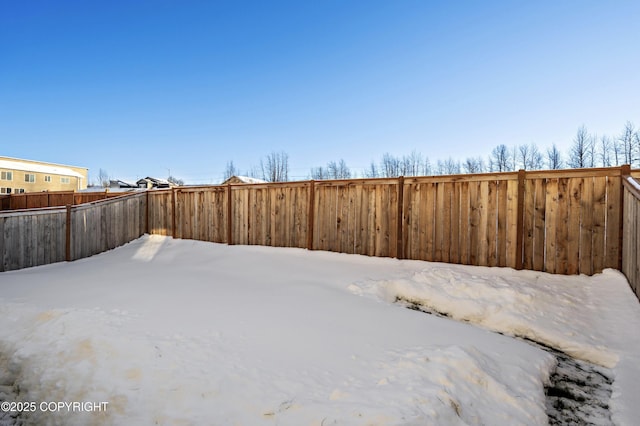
586	150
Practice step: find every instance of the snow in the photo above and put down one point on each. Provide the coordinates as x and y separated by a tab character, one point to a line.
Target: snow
247	179
185	332
40	168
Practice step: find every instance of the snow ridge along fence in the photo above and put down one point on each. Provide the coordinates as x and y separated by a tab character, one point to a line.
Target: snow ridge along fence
561	221
42	236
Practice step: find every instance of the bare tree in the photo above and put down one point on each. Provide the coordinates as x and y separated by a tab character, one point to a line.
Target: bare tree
554	158
523	153
318	173
338	170
412	165
230	170
473	165
529	157
175	180
372	171
334	170
103	178
449	167
580	149
604	151
592	151
426	167
500	160
275	167
537	162
629	141
616	152
390	166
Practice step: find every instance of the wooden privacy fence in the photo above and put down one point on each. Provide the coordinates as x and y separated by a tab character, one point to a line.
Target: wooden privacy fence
34	200
564	221
631	235
42	236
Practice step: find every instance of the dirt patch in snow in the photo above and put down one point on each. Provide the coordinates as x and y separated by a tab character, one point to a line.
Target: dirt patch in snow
578	392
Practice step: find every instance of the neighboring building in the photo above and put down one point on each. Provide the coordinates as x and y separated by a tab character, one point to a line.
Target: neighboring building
18	176
243	179
120	184
150	182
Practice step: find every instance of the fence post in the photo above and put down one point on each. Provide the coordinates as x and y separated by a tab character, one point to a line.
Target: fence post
400	220
311	214
625	171
68	235
520	221
174	231
146	214
229	214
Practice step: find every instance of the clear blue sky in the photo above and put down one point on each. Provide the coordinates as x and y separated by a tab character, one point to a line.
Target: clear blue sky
141	87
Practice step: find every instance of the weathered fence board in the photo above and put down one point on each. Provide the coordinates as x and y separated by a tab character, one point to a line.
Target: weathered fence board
42	236
631	234
101	226
460	220
201	213
160	212
32	238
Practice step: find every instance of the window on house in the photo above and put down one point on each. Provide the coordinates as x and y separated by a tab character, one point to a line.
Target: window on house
5	190
18	190
6	175
65	180
29	177
47	178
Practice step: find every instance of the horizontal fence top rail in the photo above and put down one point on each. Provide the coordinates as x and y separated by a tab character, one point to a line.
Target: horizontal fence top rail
46	210
574	173
480	177
108	200
32	212
632	186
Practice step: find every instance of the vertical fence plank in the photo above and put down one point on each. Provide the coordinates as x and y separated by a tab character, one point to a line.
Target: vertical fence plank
229	215
439	223
465	208
454	255
483	224
474	223
492	223
310	215
586	227
613	223
520	218
574	198
512	224
400	219
562	226
528	223
599	223
68	234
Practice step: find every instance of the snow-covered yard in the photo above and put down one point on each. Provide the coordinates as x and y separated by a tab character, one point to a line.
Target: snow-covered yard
184	332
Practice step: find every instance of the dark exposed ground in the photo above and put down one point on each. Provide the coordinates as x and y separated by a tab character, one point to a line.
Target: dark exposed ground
578	392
